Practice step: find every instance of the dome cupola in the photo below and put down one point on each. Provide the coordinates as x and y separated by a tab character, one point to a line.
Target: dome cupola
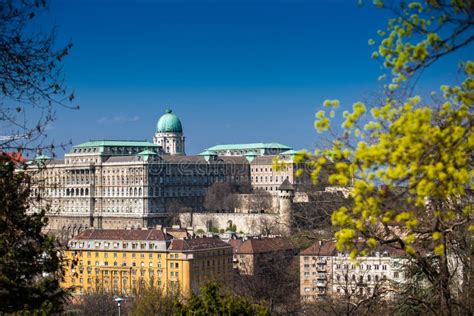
169	134
169	123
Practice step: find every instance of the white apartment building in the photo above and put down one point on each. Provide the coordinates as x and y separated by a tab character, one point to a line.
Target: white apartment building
325	271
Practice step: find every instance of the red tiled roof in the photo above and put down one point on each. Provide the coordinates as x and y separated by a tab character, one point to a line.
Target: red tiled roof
121	234
252	246
197	244
327	248
235	243
179	233
15	156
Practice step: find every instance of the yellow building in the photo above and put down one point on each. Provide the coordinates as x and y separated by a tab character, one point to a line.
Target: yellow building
123	261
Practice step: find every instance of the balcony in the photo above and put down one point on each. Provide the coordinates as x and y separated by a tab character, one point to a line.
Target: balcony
321	283
320	267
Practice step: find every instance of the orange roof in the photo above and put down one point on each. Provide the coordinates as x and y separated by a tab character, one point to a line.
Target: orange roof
252	246
235	243
16	156
179	233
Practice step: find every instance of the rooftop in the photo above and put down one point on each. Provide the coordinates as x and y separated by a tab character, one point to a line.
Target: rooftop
328	249
249	146
169	123
197	244
287	186
121	234
263	245
116	143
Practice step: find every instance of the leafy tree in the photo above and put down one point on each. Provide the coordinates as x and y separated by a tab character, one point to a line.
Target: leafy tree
409	161
220	196
31	77
96	303
152	301
259	201
30	265
211	301
273	282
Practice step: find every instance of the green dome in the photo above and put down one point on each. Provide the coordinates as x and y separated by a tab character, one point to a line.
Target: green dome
169	123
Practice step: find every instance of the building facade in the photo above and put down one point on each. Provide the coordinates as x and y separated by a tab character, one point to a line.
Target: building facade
126	261
253	256
326	271
111	184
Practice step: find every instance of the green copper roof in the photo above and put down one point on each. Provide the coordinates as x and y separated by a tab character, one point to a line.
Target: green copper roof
147	152
43	157
146	155
250	154
207	153
291	152
169	123
116	143
249	146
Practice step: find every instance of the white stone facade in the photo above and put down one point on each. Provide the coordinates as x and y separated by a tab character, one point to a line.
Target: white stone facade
325	271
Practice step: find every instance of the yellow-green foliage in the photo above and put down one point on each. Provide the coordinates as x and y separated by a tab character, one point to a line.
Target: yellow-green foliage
424	146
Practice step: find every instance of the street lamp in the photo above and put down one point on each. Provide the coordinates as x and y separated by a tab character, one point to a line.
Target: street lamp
119	301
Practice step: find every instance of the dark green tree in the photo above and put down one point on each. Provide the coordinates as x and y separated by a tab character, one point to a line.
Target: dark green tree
30	263
212	301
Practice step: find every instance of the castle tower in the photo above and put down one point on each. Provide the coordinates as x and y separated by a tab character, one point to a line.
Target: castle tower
169	134
286	193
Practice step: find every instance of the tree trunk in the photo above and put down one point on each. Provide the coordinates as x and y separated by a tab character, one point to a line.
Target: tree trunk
444	289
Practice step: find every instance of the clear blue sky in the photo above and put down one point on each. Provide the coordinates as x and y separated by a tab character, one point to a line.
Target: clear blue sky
233	71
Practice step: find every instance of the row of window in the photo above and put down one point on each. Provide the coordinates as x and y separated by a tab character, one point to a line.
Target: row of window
256	179
361	267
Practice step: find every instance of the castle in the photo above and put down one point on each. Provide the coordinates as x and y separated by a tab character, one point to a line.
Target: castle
107	184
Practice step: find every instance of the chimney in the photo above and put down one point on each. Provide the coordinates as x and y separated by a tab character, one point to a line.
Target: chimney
190	231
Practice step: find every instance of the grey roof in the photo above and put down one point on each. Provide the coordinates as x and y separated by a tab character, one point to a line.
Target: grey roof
286	186
264	160
121	159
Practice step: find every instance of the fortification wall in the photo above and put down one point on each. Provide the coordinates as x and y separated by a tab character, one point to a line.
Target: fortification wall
246	223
